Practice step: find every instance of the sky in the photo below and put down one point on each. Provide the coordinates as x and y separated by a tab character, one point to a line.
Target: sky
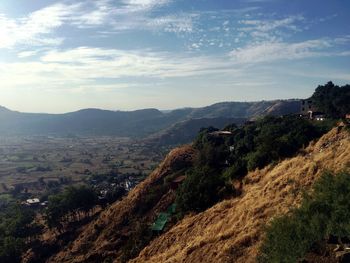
60	56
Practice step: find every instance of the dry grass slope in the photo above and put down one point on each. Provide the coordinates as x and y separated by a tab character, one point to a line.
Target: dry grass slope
104	237
231	231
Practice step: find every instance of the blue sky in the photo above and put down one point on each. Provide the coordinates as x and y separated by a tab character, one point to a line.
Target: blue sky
59	56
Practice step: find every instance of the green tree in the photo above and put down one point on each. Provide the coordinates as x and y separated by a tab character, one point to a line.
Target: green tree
200	190
332	99
68	206
16	231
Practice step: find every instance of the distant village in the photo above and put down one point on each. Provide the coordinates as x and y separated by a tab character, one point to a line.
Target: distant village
121	184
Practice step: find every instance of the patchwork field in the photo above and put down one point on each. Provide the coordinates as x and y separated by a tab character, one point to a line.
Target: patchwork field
34	164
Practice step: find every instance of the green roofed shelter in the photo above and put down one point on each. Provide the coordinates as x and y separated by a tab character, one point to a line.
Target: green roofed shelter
160	222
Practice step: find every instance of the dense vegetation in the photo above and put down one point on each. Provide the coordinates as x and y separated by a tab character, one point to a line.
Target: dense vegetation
70	205
332	100
223	158
322	214
200	190
17	230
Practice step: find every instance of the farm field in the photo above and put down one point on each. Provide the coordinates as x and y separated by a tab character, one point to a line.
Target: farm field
36	164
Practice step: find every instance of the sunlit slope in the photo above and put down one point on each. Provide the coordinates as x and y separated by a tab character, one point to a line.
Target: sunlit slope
231	231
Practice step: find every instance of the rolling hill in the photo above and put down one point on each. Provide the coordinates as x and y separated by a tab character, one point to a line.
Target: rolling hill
139	123
185	131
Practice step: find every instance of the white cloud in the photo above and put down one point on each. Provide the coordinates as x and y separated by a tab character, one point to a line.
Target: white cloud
271	29
36	28
268	25
181	23
130	15
142	5
113	63
94	18
26	54
87	67
270	51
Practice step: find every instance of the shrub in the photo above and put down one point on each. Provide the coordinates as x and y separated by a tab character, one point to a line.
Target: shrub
236	170
200	190
324	213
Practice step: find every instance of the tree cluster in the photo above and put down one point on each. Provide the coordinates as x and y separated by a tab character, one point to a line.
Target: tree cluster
222	158
333	100
17	230
268	140
69	206
200	190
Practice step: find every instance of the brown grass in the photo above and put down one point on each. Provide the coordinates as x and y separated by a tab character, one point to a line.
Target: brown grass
232	230
105	236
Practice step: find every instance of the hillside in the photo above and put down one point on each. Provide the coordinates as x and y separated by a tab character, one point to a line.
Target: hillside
247	109
107	237
231	231
185	131
137	123
219	115
83	122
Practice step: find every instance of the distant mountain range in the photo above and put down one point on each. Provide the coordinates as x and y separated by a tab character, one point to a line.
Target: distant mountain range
183	123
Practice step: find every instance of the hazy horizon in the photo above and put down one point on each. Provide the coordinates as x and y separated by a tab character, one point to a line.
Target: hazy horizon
136	109
60	56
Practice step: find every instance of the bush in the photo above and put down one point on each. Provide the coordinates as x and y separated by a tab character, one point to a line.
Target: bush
236	170
324	213
199	191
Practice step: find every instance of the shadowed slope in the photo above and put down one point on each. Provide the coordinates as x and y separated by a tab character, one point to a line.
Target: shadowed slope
105	237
